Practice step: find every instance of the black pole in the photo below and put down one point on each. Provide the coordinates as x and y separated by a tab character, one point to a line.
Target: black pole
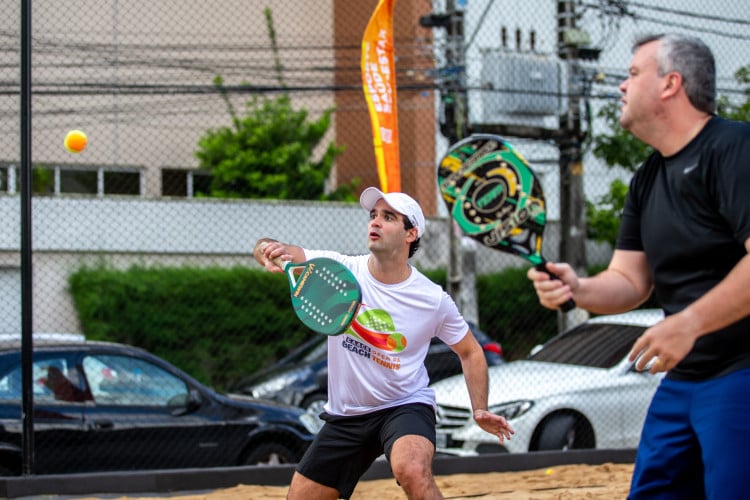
27	436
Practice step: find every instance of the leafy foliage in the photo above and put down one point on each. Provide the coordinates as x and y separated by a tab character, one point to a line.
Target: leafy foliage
217	324
603	218
42	180
511	314
269	154
220	325
620	147
734	111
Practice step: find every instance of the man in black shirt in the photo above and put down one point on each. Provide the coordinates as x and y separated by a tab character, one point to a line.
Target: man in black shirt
685	234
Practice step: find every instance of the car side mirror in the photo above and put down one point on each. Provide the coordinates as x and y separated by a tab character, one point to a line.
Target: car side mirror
184	404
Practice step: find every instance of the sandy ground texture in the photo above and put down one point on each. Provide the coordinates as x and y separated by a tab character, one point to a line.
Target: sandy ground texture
592	482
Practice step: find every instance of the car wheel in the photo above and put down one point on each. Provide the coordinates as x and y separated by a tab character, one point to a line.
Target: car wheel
563	432
270	454
315	402
6	471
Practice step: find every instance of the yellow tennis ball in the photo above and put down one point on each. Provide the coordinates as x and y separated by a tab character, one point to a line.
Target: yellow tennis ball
75	141
549	471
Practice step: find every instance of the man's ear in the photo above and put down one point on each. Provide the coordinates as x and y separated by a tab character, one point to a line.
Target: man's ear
672	83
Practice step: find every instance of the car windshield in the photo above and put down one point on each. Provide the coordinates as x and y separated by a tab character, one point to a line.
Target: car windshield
123	380
591	344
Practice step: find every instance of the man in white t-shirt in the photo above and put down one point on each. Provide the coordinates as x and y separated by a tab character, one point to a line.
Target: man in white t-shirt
378	395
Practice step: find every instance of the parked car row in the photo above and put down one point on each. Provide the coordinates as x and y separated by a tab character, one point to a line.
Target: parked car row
577	391
102	406
301	378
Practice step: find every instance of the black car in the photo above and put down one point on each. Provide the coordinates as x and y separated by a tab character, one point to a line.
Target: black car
301	377
102	406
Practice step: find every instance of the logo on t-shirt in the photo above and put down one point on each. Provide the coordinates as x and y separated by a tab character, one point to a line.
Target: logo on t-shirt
376	328
689	169
372	335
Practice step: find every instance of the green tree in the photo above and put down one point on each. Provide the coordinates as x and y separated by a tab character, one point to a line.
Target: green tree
603	218
42	180
620	147
741	111
268	153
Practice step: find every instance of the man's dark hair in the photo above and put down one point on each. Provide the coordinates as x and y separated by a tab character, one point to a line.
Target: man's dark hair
414	246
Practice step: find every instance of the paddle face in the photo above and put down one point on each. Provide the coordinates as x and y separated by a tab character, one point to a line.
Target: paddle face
325	294
494	196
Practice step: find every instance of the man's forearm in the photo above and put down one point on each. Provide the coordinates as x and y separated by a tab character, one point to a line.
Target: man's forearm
624	285
607	293
726	303
477	381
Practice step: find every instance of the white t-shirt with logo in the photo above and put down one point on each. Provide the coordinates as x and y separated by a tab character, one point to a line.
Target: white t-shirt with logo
379	361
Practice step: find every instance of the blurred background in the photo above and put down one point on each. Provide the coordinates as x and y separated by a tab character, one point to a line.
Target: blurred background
213	123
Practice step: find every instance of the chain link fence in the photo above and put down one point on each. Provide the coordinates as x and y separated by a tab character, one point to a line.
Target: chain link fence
148	82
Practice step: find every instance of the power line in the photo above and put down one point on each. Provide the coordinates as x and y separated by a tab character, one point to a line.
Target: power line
620	8
696	15
700	29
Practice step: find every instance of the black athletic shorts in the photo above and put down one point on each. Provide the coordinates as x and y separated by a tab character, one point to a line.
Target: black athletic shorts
345	447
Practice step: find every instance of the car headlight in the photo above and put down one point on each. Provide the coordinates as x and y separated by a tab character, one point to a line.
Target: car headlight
511	410
311	422
278	383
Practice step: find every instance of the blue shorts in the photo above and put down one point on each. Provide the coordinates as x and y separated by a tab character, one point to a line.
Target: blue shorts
346	447
696	441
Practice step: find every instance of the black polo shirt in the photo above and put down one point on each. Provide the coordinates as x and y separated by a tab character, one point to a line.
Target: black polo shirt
690	214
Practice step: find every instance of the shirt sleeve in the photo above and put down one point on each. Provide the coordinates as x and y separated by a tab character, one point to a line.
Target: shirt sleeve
629	237
454	327
731	161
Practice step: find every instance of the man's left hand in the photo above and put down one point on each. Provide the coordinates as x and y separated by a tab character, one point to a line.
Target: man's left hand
494	424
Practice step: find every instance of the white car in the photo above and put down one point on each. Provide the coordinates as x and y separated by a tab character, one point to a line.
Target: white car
577	391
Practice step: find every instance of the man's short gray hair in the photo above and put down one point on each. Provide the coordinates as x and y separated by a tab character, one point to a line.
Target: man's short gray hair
691	58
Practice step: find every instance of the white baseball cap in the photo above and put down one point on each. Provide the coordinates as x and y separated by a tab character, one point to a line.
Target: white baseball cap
400	202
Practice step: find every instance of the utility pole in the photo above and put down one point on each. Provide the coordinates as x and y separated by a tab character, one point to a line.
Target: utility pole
572	46
572	216
454	127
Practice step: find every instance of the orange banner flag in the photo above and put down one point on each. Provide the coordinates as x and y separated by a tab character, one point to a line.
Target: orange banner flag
379	82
